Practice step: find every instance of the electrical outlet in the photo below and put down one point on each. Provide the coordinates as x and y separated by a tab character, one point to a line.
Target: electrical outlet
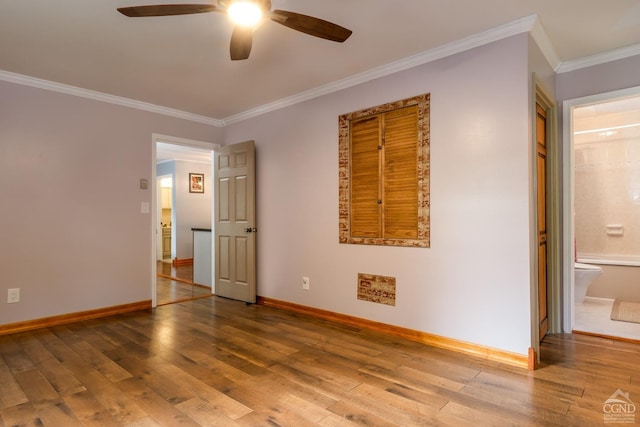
13	295
305	283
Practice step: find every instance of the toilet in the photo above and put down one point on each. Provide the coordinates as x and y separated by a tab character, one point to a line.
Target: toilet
584	275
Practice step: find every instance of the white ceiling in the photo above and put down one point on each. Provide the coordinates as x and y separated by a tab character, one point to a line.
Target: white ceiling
182	62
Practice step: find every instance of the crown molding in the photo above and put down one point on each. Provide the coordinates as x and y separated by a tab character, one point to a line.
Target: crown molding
600	58
529	24
543	41
518	26
105	97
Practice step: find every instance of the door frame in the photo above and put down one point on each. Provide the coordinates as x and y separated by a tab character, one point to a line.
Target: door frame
156	138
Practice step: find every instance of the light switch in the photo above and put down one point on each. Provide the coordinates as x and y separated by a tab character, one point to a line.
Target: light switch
13	295
144	207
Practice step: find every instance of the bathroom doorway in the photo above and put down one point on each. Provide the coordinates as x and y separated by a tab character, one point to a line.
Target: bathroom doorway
602	229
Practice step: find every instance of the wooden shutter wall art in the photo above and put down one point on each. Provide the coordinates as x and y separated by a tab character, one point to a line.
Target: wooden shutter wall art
384	174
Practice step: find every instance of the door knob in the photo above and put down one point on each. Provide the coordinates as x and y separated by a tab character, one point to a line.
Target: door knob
250	230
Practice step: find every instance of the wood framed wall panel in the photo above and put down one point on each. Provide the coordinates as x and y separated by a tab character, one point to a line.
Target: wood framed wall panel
403	200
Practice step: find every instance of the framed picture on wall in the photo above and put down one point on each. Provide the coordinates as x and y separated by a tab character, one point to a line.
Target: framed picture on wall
196	183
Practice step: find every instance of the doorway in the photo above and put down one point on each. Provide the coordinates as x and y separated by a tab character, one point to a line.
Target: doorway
602	199
177	210
164	210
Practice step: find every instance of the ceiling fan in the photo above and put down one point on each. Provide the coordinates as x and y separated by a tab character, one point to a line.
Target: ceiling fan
254	10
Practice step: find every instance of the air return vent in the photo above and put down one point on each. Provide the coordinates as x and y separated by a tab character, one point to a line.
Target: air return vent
380	289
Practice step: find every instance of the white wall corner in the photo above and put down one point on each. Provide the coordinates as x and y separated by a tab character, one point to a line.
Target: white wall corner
543	41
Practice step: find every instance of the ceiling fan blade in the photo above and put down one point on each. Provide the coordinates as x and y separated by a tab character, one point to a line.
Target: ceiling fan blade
166	10
241	41
309	25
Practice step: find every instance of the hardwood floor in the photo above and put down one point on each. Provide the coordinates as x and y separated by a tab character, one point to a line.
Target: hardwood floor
170	291
175	284
218	362
181	272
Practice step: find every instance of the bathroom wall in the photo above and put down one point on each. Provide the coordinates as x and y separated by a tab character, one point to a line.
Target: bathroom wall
607	195
617	281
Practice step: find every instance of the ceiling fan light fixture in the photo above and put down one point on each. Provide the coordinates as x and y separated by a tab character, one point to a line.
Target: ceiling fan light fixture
245	13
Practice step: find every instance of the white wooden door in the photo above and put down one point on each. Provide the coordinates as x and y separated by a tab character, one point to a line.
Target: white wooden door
235	222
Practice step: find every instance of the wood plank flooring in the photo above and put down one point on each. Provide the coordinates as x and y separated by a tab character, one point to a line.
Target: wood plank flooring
181	272
169	291
217	362
175	284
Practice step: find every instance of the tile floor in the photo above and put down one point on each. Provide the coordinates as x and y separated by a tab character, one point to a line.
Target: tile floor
594	316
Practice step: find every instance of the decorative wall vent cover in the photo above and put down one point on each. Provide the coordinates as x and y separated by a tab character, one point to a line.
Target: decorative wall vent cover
380	289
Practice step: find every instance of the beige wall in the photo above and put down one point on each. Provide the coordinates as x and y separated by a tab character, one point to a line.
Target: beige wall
616	281
607	77
473	284
191	209
74	237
